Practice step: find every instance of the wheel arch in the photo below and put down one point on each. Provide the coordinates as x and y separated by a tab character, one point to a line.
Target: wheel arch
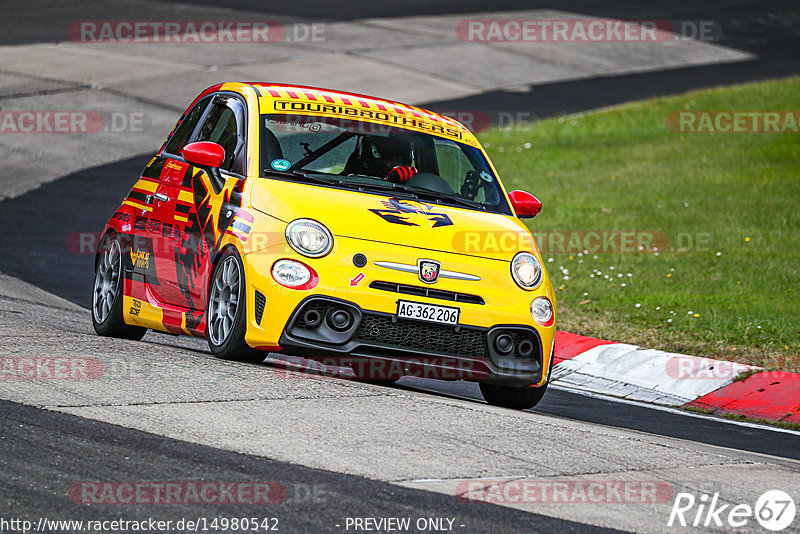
109	232
225	246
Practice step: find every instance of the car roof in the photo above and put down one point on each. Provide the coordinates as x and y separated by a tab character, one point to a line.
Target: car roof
270	92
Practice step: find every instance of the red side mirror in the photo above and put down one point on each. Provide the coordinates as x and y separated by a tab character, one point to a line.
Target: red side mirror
204	154
526	206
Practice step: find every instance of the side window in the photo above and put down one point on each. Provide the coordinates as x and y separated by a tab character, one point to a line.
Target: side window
184	130
224	125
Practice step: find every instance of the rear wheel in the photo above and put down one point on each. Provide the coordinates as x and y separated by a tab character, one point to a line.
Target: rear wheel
107	294
226	314
509	397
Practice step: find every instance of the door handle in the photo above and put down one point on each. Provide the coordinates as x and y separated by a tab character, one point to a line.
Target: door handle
157	196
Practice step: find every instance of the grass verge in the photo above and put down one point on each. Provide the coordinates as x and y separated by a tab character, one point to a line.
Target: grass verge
722	208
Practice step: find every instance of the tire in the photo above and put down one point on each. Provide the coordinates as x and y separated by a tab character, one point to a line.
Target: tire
515	398
107	293
226	312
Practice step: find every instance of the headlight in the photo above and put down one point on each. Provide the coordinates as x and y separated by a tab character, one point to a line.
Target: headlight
309	238
542	311
291	273
526	270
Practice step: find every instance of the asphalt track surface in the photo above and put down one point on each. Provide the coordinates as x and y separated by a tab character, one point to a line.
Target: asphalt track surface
47	254
766	29
40	235
71	449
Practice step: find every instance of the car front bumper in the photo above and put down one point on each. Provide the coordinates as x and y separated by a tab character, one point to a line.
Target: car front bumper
378	340
380	346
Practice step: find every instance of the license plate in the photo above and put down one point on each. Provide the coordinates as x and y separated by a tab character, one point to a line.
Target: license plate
427	312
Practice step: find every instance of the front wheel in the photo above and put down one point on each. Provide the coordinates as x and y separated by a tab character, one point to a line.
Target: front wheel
107	294
515	398
226	314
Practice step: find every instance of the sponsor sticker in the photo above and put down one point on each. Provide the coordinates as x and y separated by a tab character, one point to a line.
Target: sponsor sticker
281	164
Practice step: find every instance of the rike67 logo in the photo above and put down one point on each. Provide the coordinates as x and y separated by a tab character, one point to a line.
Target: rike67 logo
774	510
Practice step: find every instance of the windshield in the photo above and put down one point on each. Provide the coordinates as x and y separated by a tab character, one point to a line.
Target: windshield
377	157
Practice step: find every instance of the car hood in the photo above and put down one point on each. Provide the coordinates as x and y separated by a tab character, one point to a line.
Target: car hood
381	218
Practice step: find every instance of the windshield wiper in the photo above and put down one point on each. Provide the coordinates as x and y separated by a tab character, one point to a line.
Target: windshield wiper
300	175
387	187
444	198
361	186
418	192
378	185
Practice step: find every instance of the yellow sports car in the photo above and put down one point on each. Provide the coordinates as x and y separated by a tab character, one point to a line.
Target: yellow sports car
326	225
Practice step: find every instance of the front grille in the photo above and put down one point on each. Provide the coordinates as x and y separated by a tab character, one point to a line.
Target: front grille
428	292
261	301
405	333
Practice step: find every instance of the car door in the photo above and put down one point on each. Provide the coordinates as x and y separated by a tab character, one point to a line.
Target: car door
206	202
170	203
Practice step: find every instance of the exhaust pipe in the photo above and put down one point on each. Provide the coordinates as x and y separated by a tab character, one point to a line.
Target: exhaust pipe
340	319
525	348
504	343
312	318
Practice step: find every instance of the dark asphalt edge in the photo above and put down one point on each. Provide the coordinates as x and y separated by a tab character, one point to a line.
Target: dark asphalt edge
569	97
673	422
86	199
68	449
